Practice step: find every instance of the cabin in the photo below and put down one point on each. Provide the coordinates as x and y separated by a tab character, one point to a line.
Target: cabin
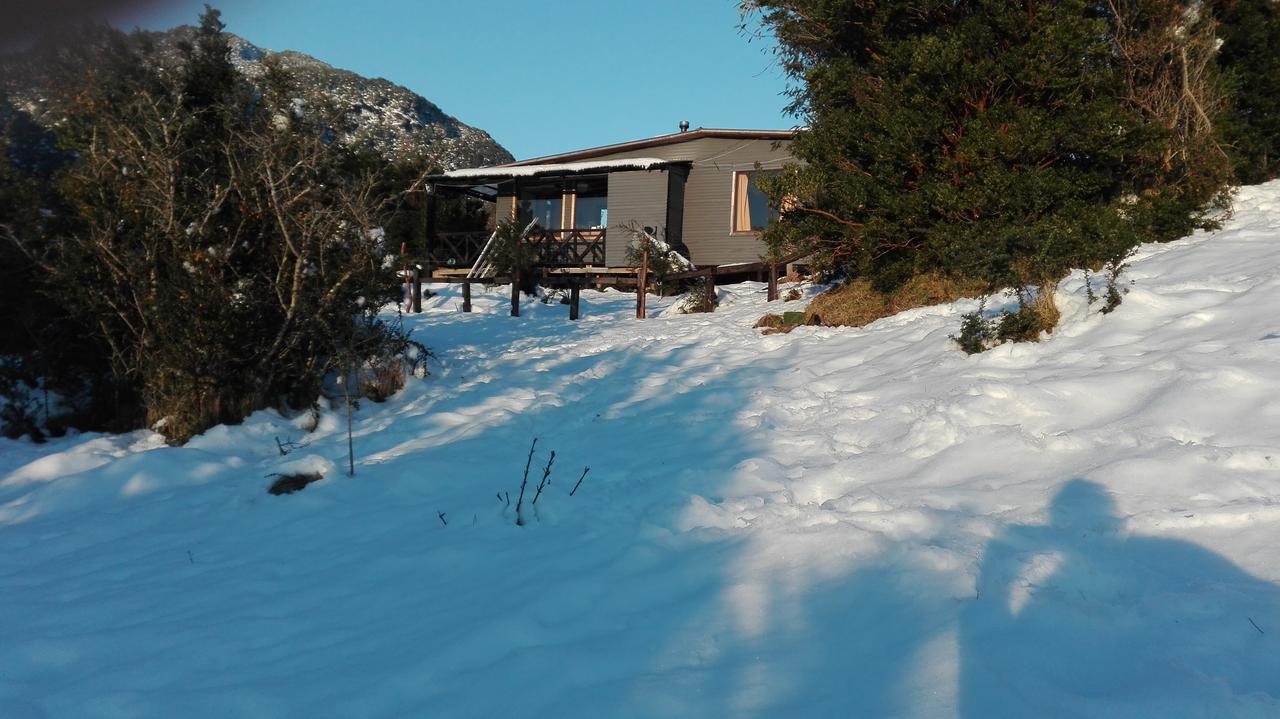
694	190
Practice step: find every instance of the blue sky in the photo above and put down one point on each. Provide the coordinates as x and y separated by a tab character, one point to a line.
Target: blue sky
540	76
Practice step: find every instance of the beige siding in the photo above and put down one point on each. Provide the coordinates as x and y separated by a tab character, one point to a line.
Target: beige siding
708	196
639	197
505	208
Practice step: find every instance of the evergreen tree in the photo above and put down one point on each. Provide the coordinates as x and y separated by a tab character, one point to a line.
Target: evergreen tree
988	139
1250	56
1167	54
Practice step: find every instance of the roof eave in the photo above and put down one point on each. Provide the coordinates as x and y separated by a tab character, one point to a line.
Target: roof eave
671	139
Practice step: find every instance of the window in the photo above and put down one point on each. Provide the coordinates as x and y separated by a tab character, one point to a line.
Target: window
591	203
572	203
543	203
752	210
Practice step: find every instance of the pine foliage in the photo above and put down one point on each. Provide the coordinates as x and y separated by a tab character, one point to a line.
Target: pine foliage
990	140
1250	58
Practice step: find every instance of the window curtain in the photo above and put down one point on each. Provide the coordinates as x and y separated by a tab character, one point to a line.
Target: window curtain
741	207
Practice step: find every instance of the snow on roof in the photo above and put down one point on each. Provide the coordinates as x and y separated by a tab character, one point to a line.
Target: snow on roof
560	168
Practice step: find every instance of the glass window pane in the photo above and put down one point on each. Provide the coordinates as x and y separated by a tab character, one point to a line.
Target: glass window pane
752	210
591	204
543	203
758	202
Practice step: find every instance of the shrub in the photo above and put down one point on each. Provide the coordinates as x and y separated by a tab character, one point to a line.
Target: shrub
977	334
662	259
700	297
226	253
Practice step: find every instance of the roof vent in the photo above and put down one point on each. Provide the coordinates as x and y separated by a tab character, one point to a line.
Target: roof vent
684	126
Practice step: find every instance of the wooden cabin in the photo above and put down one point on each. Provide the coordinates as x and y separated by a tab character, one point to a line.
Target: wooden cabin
695	189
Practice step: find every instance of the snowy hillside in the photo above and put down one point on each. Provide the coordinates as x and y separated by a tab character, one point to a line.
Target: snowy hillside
832	522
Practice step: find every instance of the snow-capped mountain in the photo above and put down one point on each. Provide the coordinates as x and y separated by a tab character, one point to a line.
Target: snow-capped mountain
390	118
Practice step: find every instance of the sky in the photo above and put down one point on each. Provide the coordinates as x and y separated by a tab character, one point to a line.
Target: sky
542	76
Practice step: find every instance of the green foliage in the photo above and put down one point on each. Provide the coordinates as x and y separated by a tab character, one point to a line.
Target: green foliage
663	262
977	334
1025	325
1250	57
510	252
18	413
976	139
218	250
1114	295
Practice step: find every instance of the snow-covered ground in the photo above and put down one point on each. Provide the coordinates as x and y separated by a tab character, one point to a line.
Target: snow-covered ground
832	522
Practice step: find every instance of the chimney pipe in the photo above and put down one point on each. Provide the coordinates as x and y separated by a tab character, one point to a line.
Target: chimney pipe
684	126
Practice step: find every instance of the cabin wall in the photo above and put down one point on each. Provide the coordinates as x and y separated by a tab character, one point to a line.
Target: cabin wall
634	197
708	195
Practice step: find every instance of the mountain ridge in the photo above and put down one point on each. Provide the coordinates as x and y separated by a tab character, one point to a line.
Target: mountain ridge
396	122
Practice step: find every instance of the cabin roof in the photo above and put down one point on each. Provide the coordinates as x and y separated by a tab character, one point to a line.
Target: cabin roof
485	175
660	140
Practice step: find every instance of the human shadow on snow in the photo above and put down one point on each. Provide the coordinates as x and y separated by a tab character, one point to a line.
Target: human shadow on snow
1076	618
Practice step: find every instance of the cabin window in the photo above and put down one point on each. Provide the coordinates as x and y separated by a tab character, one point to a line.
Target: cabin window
591	203
752	210
543	203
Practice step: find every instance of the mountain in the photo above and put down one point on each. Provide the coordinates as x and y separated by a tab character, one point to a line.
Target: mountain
392	119
396	121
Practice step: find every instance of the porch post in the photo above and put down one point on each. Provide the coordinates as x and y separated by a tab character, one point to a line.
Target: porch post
642	280
466	295
431	220
573	299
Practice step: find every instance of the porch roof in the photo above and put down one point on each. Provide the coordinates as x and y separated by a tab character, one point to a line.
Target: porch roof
489	175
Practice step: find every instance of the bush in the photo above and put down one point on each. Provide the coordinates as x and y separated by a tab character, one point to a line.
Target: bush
700	297
663	261
1036	314
977	334
510	252
226	254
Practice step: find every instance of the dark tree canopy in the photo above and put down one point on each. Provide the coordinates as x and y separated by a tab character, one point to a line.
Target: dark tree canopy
986	139
1250	57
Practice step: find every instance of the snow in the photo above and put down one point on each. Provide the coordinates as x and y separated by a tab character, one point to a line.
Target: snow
830	522
556	168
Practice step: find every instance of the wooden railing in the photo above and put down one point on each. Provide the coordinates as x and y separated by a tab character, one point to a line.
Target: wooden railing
567	248
553	248
458	249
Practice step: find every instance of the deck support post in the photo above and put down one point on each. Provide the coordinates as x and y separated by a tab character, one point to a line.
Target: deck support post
417	288
773	282
432	250
515	294
642	281
574	288
466	295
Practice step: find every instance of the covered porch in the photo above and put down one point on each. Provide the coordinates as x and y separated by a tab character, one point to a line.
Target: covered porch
564	207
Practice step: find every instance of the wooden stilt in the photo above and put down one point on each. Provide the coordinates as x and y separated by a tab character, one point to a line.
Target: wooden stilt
573	300
642	282
466	296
